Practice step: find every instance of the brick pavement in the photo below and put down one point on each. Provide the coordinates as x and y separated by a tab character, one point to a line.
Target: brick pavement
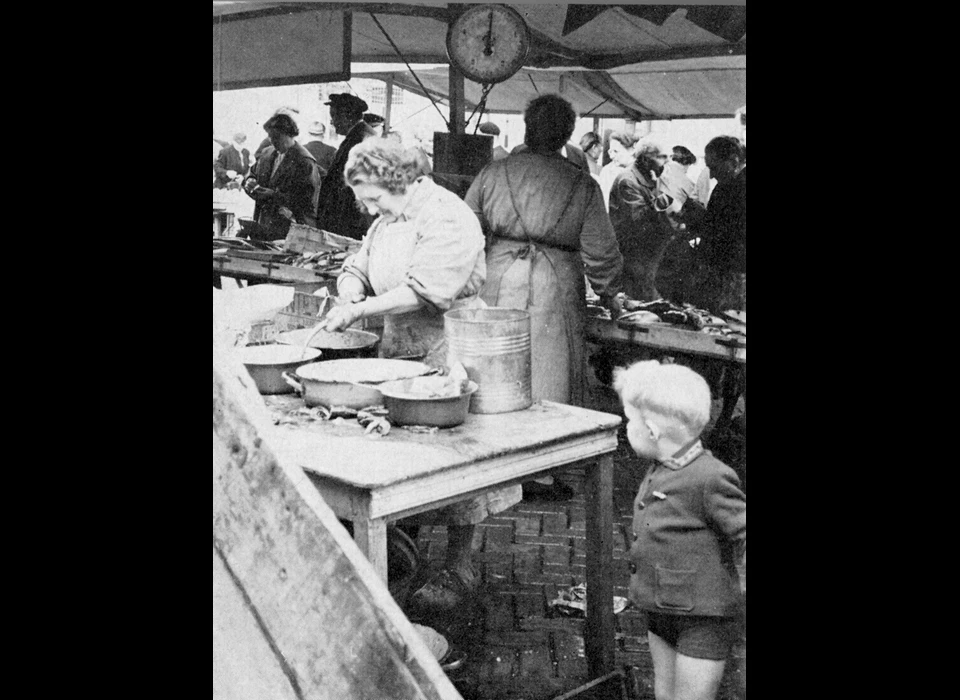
517	646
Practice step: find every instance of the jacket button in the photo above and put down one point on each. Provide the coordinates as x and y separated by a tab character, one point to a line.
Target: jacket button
635	537
633	568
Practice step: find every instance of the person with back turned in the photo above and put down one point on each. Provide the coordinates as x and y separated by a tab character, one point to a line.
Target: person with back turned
337	209
546	227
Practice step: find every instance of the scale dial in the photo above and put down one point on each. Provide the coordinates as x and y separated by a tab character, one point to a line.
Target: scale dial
488	43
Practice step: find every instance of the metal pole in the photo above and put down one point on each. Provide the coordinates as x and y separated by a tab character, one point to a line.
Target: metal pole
457	102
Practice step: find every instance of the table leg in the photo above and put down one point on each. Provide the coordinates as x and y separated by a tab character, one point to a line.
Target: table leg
599	630
371	537
731	387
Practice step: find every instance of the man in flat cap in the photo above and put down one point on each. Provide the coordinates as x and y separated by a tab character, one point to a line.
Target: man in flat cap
337	210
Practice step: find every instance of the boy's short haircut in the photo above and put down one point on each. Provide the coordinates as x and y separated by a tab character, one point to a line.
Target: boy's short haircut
670	390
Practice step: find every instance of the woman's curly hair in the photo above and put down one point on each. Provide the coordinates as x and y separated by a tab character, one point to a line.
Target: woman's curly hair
385	163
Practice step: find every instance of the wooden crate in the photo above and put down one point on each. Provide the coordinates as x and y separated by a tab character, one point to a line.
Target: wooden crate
306	239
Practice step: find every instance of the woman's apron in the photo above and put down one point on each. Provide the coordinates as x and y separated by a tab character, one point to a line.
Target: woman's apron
547	281
416	335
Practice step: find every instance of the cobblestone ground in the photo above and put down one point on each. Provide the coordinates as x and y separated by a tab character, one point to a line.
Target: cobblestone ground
517	646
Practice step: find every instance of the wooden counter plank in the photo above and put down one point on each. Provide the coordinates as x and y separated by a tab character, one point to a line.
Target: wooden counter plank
344	452
245	268
669	337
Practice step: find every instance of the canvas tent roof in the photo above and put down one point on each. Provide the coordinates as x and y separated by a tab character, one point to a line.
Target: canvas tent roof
635	61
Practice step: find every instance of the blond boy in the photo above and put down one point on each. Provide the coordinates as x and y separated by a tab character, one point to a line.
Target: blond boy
689	528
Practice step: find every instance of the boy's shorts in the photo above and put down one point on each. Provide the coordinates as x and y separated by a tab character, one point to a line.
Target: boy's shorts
701	637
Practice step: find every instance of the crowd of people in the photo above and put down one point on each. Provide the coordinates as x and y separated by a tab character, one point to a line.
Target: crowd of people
537	225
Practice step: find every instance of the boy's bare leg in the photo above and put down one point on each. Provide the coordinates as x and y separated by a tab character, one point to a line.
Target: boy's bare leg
696	679
664	660
680	677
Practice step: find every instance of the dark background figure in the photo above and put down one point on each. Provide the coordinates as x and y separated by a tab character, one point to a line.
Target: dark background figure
337	208
643	232
322	152
721	254
285	181
233	162
592	148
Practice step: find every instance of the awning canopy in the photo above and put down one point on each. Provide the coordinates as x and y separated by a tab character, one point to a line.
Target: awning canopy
632	61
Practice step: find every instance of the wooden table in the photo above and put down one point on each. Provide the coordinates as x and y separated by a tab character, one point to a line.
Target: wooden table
666	336
374	480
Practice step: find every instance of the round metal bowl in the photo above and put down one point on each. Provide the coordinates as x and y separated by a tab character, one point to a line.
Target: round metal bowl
406	408
267	363
335	345
352	383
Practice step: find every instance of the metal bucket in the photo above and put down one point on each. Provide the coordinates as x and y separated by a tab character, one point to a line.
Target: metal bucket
493	344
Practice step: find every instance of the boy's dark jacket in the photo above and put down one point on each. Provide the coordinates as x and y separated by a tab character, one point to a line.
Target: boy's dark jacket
689	527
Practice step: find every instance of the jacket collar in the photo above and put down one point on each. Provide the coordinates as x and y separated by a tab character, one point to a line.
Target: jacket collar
684	456
418	199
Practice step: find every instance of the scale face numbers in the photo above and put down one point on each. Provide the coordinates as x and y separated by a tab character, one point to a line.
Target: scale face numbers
488	43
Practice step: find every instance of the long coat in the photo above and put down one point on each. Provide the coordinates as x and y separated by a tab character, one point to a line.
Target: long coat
643	233
546	227
296	184
337	207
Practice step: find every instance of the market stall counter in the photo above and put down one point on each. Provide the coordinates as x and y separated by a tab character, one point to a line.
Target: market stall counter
307	256
371	480
724	341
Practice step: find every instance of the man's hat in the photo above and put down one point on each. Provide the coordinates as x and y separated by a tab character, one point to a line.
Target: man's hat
489	128
344	100
317	129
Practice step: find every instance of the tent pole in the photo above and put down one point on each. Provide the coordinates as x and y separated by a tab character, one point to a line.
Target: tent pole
457	106
386	111
457	101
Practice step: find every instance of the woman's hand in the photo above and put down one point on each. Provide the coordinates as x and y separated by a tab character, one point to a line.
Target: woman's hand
342	316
